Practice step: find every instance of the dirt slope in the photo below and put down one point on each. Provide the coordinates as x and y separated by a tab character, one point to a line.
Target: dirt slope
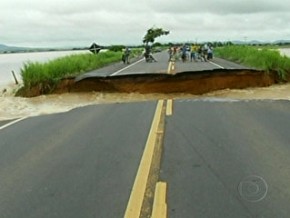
187	82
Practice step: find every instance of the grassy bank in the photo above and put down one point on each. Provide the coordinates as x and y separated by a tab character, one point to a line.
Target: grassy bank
36	73
263	59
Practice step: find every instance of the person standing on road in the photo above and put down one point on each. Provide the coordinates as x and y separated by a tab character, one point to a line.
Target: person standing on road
175	53
183	53
199	53
170	53
204	51
126	55
148	54
210	53
193	51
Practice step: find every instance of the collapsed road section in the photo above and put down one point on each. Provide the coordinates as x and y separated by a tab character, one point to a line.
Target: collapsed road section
197	82
163	76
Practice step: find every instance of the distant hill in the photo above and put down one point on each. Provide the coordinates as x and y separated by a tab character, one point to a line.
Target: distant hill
257	42
6	48
2	46
282	42
252	42
14	49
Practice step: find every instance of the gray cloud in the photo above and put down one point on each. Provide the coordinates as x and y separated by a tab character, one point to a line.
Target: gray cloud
81	22
220	6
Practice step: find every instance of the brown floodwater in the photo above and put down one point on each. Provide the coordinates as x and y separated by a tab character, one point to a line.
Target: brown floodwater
17	107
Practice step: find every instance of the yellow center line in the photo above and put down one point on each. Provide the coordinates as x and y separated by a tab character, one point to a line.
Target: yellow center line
134	206
169	107
159	204
171	67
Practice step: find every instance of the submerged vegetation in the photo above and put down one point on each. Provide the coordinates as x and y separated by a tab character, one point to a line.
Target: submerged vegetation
259	58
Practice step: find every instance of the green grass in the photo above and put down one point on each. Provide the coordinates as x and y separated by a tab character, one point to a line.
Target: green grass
263	59
136	52
36	73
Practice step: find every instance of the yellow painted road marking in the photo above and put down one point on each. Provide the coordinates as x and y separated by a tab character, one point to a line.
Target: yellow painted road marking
169	107
137	194
171	67
159	205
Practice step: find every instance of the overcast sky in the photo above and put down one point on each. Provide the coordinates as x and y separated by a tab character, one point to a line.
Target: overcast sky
58	23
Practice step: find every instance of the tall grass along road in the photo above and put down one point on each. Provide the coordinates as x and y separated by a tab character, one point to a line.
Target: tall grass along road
34	73
263	59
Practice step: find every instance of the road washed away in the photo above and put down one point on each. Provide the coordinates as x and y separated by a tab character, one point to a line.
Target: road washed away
17	107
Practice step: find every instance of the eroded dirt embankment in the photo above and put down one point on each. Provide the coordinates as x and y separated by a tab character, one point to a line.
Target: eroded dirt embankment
187	82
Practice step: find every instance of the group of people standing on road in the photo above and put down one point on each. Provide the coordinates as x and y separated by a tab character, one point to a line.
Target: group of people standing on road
194	53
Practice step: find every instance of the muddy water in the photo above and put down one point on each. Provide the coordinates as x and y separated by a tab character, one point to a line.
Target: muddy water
274	92
16	107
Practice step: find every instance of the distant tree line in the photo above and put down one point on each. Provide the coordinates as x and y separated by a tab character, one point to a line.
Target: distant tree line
214	44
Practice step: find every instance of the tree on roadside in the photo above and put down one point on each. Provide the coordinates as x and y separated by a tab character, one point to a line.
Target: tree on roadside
157	44
154	33
117	48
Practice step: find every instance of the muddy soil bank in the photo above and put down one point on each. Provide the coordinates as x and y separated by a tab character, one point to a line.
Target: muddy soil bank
187	82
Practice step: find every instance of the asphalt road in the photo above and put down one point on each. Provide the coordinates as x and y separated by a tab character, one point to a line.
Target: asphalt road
139	66
76	164
227	159
219	158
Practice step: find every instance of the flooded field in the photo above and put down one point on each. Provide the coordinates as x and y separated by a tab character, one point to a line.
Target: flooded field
15	61
285	51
